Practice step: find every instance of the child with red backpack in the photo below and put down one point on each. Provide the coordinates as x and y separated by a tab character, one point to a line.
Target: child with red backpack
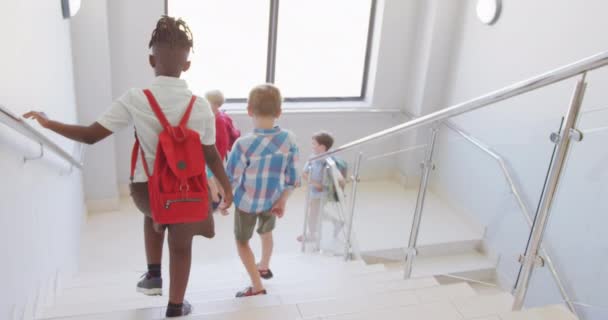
175	135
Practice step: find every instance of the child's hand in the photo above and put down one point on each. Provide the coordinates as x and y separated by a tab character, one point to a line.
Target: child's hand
226	204
278	209
41	117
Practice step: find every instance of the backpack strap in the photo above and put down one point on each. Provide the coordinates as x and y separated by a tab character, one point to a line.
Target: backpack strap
156	108
134	154
186	116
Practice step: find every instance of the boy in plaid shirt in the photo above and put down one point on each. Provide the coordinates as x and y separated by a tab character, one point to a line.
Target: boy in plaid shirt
261	169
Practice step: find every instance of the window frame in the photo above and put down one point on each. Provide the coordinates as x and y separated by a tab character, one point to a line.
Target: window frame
271	53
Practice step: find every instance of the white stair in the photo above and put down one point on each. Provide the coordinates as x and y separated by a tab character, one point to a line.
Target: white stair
305	287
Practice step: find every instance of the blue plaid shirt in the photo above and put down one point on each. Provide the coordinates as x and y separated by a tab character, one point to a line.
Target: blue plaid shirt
261	166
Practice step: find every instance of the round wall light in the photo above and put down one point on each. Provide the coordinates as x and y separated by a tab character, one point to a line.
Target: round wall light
488	11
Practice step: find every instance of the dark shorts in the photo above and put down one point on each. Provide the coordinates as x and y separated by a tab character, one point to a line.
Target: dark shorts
141	198
244	224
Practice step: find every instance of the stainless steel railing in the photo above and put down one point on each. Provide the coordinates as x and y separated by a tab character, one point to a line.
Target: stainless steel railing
345	210
16	123
543	80
533	255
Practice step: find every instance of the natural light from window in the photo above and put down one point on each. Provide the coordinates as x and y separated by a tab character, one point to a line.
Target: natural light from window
230	43
320	52
321	47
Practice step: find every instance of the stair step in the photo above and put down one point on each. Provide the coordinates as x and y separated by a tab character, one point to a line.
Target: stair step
379	301
356	304
484	306
202	283
472	264
301	295
228	271
434	311
553	312
288	294
424	250
138	314
284	312
446	292
352	301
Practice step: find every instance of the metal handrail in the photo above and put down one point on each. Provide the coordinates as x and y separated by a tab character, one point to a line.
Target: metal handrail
15	122
513	186
520	202
548	78
392	153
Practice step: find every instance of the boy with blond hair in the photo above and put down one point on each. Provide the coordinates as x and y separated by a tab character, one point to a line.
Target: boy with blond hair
262	172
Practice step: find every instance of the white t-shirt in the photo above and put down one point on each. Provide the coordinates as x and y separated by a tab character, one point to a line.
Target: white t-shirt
173	96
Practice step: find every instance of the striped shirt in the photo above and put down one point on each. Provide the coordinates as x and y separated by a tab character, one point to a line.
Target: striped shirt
261	166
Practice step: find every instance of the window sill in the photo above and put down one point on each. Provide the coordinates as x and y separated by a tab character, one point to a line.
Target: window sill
315	107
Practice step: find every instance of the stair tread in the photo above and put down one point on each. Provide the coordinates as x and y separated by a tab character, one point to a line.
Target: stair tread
345	305
552	312
434	311
126	290
288	295
484	305
226	270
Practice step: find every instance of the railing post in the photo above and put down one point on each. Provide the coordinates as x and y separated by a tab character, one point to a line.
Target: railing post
427	166
353	199
318	223
532	257
306	208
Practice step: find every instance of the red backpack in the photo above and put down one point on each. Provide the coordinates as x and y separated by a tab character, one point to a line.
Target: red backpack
233	132
178	184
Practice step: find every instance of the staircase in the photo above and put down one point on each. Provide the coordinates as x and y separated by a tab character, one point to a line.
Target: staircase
305	287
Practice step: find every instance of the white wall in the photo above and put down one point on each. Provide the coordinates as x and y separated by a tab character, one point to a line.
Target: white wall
94	95
41	210
531	37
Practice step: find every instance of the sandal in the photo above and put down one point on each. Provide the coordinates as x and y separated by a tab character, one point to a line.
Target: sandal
266	274
248	292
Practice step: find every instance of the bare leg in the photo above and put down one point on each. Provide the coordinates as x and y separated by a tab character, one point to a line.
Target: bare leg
248	260
153	242
180	251
267	246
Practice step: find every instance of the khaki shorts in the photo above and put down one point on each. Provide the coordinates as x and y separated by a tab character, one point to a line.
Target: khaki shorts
141	198
244	223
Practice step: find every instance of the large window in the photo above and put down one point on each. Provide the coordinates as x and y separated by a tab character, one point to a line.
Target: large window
312	49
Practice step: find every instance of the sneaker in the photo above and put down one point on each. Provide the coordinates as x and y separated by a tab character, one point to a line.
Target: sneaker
185	310
150	286
248	292
266	274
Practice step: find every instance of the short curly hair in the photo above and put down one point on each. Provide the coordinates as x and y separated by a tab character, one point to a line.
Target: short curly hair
324	138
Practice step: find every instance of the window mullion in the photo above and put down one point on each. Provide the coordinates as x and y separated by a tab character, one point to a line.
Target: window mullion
368	49
273	24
